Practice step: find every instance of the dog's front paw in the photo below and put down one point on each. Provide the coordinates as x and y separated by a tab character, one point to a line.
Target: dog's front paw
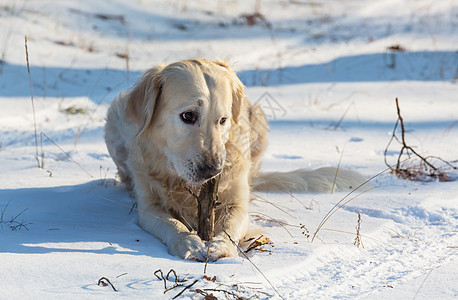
221	246
188	246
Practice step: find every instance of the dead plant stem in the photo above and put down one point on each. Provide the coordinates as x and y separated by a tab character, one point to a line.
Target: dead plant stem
33	103
255	266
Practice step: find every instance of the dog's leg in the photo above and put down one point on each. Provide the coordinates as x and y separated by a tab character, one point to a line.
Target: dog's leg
173	233
234	220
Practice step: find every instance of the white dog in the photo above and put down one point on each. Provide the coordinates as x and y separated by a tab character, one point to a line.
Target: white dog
183	124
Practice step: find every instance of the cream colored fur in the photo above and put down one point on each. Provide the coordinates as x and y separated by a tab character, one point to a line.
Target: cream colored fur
159	155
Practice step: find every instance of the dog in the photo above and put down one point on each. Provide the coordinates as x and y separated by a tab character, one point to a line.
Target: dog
182	124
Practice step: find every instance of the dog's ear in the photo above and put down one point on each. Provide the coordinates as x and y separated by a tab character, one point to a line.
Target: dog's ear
238	91
238	98
144	98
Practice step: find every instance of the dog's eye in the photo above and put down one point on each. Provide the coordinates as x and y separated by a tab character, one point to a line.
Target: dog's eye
222	121
188	117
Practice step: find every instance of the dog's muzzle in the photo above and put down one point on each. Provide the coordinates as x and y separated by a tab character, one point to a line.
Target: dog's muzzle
207	171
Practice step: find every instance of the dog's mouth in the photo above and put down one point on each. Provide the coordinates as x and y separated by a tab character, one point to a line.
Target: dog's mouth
206	172
202	176
197	185
202	169
196	171
197	174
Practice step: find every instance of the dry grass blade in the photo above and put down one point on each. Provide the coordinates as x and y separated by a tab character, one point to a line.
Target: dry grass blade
422	283
310	207
13	224
339	204
261	199
33	104
263	217
362	235
67	156
336	125
337	207
255	266
337	171
138	210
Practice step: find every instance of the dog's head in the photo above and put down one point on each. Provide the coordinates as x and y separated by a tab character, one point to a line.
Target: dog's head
187	109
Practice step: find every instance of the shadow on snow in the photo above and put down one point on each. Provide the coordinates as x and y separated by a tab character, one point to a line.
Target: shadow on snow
101	85
75	219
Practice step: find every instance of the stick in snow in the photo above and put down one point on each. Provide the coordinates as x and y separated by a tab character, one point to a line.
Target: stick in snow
206	202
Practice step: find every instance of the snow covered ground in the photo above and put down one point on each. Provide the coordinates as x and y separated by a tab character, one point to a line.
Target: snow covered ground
325	75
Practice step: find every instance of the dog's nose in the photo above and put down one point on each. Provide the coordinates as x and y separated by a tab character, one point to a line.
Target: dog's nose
208	171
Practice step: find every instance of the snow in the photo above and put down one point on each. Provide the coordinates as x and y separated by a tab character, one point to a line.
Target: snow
331	82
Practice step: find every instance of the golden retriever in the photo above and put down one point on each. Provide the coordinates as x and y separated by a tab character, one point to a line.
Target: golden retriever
183	124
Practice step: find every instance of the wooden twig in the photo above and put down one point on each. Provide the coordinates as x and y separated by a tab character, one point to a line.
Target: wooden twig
204	292
206	209
120	275
425	168
358	241
164	279
207	256
206	203
403	140
161	277
186	288
104	282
